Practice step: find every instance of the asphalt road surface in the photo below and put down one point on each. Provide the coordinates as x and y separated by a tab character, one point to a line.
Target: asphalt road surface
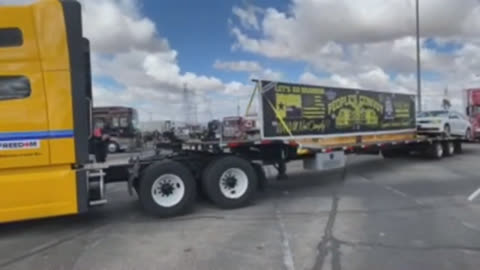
377	214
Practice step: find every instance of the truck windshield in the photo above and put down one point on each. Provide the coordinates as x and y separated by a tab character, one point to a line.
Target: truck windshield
124	122
115	122
231	123
433	114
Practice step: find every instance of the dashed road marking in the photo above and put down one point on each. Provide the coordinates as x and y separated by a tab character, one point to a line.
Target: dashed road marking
470	226
474	195
287	251
396	191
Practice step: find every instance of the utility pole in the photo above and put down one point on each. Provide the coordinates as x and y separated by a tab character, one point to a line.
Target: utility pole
186	104
151	115
209	109
419	74
446	104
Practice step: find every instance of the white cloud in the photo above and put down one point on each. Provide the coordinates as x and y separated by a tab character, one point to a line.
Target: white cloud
371	44
246	66
247	16
164	70
377	80
368	33
256	70
117	26
268	74
309	24
127	48
238	89
15	2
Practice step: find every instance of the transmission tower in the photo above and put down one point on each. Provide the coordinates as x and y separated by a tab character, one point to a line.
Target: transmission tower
209	109
190	106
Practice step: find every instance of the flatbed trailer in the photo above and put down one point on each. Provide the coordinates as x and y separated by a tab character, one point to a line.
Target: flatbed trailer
230	173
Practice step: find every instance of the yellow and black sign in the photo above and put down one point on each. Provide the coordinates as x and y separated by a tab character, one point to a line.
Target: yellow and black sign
307	110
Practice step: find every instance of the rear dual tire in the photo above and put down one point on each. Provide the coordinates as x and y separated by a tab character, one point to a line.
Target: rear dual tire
448	149
468	135
435	150
446	131
167	189
230	182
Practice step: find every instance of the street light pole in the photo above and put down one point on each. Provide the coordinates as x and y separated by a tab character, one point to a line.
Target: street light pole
419	83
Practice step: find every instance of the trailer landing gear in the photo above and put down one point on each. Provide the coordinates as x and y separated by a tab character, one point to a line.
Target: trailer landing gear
282	170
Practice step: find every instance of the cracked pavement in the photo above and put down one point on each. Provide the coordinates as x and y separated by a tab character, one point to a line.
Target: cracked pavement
376	214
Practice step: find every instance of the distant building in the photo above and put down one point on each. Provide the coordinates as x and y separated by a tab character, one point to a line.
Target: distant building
161	126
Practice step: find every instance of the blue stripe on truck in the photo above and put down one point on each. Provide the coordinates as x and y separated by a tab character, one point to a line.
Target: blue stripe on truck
36	135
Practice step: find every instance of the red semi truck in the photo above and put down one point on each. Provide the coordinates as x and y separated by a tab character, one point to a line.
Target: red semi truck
473	110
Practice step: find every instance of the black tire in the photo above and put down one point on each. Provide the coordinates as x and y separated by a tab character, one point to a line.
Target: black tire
435	150
448	149
154	172
446	131
468	135
113	147
212	177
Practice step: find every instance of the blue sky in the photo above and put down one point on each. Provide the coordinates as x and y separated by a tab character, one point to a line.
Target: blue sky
201	34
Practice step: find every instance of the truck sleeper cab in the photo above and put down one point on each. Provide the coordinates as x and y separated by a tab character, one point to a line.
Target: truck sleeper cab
45	96
472	99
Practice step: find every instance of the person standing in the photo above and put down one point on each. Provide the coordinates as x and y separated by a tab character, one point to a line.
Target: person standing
100	142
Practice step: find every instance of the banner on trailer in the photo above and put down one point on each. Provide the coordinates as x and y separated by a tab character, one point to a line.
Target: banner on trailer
315	111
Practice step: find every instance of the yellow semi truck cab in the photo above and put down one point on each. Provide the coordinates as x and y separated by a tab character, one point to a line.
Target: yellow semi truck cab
45	104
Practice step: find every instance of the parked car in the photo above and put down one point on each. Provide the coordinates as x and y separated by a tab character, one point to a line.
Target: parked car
447	123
